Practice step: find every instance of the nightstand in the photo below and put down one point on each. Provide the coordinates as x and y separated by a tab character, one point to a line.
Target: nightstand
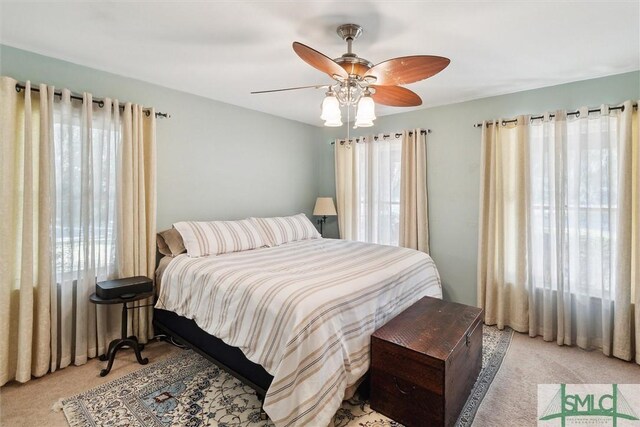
124	340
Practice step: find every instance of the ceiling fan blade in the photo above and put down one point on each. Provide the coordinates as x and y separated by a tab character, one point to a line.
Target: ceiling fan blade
319	61
290	88
395	96
407	69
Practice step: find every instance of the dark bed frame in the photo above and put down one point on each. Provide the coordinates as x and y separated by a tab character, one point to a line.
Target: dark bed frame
231	359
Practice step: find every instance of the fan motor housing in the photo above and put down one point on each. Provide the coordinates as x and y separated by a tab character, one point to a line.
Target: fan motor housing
353	65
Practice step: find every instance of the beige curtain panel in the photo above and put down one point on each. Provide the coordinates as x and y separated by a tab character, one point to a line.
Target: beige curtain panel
69	168
346	170
635	225
137	210
502	288
414	221
26	248
559	238
627	268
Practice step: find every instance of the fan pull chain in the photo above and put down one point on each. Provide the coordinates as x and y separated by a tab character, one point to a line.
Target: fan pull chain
348	121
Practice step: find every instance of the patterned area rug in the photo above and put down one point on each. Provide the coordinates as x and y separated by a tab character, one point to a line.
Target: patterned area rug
190	391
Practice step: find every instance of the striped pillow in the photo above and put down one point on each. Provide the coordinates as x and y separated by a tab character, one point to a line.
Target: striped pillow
286	229
219	237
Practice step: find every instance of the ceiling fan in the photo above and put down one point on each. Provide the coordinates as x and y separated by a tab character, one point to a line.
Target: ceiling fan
358	82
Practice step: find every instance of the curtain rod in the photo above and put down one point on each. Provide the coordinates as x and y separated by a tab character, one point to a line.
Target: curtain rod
396	135
573	113
20	87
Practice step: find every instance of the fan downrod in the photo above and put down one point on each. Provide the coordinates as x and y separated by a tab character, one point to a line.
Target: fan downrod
355	66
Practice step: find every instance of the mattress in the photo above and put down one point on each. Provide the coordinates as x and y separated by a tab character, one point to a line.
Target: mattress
304	311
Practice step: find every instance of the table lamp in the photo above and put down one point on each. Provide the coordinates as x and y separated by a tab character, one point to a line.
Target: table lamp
324	208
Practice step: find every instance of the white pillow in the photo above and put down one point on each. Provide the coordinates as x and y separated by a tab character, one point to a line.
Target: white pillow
285	229
203	238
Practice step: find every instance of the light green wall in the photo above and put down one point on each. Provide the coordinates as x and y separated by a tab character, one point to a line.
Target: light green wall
218	161
215	160
453	164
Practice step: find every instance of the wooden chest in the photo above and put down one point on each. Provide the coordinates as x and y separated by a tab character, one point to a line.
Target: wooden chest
425	361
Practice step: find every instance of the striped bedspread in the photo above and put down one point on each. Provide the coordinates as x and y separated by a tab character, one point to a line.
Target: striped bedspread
305	311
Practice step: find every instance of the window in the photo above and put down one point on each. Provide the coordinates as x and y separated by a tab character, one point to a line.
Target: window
85	215
573	204
378	190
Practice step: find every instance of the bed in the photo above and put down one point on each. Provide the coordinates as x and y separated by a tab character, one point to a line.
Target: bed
293	321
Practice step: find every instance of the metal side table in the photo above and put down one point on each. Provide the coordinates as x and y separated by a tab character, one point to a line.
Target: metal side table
124	340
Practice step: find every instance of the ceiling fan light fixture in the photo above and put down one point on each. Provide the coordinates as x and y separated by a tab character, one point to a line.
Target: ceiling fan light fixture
331	108
366	114
333	123
363	123
358	82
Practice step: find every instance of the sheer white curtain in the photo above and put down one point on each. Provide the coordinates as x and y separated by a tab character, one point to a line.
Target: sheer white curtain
582	221
87	140
368	188
378	189
568	187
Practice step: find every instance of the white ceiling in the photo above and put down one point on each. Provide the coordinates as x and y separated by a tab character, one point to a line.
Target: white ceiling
223	49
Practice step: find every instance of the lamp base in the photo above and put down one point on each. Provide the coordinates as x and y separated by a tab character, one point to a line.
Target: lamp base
321	222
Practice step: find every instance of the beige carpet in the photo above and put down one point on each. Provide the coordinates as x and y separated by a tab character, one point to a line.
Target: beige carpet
511	400
29	404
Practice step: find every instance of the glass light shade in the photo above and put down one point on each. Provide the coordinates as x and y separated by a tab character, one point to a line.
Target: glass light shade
334	123
366	109
366	112
331	109
363	123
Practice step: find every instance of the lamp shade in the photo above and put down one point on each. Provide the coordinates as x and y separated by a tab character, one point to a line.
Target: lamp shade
330	109
333	123
366	113
324	207
362	123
